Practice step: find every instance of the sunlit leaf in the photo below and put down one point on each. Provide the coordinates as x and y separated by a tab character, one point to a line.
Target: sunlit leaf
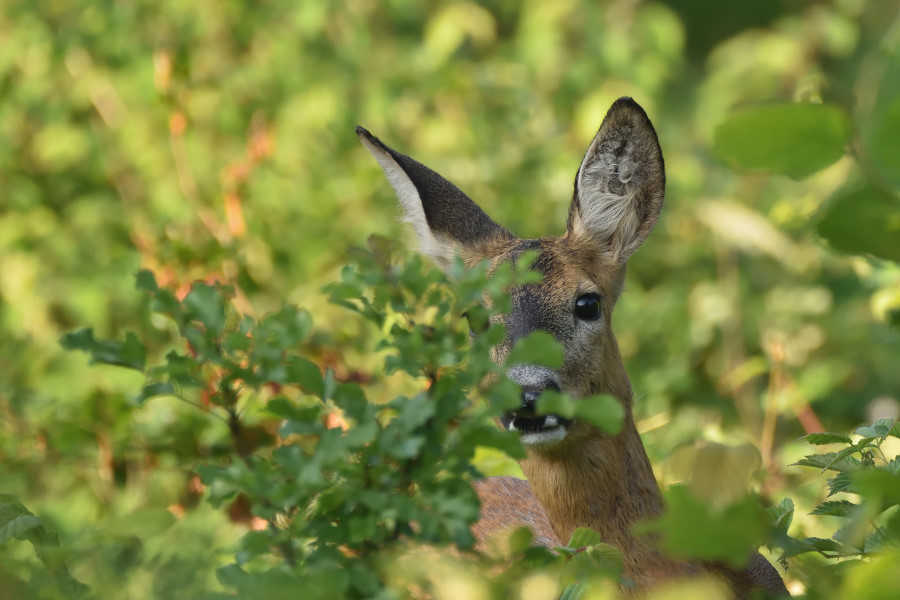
603	411
820	439
537	348
791	139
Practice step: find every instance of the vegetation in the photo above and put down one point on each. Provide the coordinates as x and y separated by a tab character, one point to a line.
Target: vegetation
250	447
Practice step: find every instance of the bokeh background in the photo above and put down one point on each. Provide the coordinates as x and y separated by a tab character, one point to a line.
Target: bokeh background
214	140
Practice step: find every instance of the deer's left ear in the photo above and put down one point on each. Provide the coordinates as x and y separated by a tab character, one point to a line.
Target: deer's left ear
620	186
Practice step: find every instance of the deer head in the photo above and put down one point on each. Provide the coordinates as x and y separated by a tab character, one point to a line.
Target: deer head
618	195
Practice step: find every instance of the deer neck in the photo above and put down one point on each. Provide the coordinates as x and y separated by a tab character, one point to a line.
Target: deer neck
604	482
608	486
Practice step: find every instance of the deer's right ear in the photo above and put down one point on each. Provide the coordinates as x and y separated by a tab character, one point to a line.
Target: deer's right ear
443	217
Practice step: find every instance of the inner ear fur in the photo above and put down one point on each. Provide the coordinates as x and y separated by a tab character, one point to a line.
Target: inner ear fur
620	186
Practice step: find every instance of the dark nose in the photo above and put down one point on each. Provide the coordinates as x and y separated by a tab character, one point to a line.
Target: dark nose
530	395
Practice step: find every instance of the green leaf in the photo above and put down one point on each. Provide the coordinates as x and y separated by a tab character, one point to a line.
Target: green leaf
820	439
603	411
782	515
520	540
152	390
537	348
551	402
792	139
692	530
863	220
16	527
145	281
129	354
351	399
834	508
306	374
879	482
884	140
574	591
842	483
835	461
206	304
285	328
583	536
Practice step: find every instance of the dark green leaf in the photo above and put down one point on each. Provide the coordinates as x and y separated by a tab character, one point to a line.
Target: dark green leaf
862	221
834	508
152	390
130	353
206	304
884	141
842	483
306	374
145	281
820	439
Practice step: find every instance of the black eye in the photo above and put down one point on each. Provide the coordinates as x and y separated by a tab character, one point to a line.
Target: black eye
587	307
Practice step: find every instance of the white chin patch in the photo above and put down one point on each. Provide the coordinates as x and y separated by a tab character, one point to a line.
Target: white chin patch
544	436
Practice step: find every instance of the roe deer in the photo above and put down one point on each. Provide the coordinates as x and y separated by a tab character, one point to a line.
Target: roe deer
578	476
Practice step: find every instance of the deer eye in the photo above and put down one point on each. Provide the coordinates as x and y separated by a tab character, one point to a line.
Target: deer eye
587	307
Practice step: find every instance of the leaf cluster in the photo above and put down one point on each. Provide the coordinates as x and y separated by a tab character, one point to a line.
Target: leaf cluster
864	493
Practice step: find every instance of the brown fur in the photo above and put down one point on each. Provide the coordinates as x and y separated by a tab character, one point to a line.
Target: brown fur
589	478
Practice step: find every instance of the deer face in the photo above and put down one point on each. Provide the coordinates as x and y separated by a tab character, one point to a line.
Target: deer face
618	195
573	302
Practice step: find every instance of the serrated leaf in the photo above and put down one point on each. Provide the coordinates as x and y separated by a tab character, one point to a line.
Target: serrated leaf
820	439
829	461
574	591
782	515
607	553
129	354
842	483
834	508
792	139
583	536
895	429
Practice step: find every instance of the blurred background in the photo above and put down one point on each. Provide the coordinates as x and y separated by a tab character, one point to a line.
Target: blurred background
214	140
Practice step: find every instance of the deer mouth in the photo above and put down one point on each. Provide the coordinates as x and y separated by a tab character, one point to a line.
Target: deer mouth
536	429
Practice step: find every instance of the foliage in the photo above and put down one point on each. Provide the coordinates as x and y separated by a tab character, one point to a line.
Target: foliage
862	470
336	500
214	142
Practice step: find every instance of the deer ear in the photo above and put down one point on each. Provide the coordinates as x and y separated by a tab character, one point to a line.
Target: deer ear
443	217
620	186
